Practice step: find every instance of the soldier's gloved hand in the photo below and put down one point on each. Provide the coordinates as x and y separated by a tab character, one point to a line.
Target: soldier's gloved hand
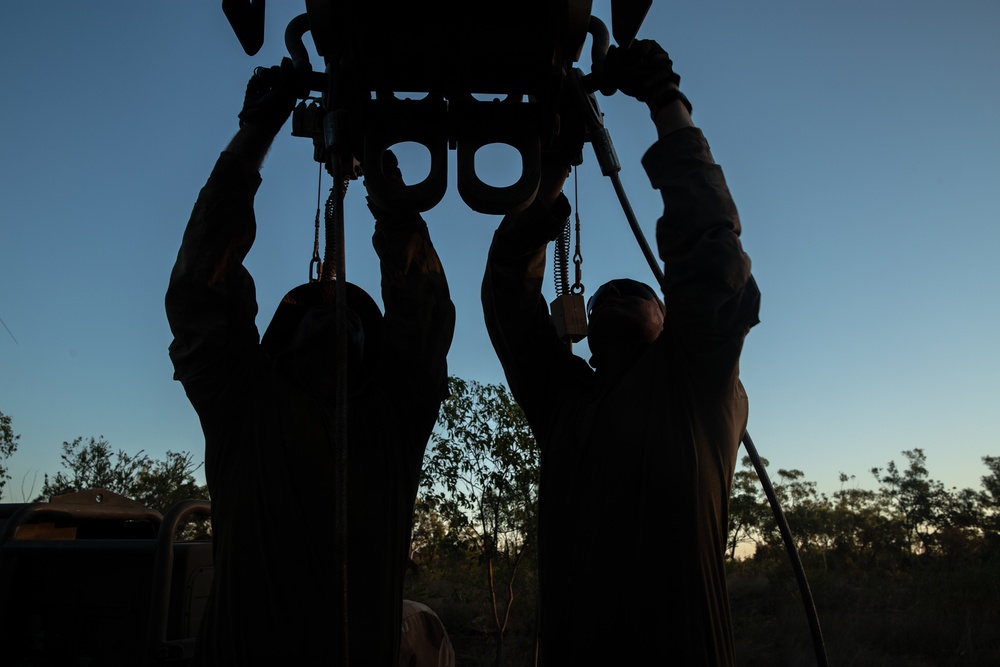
555	171
390	168
270	97
644	71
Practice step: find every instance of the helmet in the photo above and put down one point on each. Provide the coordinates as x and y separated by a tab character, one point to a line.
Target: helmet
288	316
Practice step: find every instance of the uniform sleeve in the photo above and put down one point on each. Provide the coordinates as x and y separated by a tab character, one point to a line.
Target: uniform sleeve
211	302
708	288
533	357
419	313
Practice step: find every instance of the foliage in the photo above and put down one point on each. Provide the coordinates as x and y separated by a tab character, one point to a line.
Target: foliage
989	499
747	515
915	502
91	463
909	517
480	490
8	445
434	538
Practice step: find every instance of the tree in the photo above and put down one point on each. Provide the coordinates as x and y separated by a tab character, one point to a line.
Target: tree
918	501
808	512
8	445
434	539
92	463
989	498
862	534
481	476
748	508
909	519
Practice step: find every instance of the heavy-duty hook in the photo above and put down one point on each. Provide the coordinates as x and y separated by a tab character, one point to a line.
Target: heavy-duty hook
376	55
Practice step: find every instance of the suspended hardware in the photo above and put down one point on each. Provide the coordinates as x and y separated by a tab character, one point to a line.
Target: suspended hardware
446	56
569	316
568	311
316	262
522	54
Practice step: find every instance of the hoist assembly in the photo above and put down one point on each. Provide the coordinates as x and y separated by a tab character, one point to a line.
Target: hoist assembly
445	75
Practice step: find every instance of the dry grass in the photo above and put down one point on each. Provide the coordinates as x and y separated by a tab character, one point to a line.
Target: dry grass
930	616
938	614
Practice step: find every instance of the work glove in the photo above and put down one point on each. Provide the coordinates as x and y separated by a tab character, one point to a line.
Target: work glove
270	97
390	167
644	71
555	170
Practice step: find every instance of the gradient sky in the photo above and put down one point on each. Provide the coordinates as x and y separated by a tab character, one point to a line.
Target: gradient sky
861	141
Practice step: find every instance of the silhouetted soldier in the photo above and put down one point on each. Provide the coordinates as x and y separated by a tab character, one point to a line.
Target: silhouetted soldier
638	452
267	409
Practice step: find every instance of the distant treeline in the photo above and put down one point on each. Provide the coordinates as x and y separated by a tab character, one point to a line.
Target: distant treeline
871	553
908	516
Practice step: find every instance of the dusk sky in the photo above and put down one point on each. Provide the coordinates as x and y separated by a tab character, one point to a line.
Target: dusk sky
860	140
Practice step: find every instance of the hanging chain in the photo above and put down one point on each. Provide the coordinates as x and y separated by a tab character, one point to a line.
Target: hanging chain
316	264
560	261
329	266
329	263
578	287
568	312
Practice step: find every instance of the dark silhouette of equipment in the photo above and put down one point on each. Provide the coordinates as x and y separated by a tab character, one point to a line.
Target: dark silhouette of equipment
418	72
95	578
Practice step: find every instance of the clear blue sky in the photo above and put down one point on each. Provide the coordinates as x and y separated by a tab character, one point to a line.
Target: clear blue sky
861	141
